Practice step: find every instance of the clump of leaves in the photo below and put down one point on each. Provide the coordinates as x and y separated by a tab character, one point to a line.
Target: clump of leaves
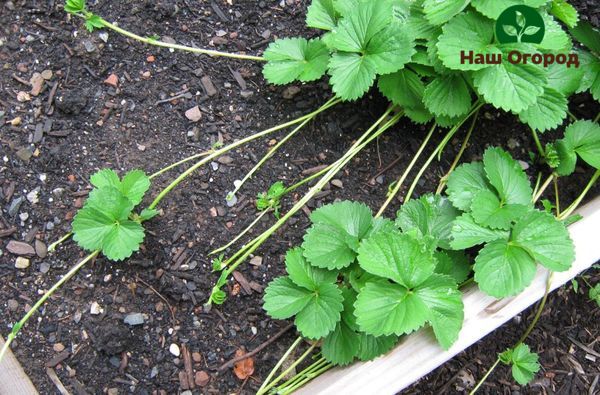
589	36
338	285
594	294
78	8
581	139
496	199
524	363
411	51
272	198
107	222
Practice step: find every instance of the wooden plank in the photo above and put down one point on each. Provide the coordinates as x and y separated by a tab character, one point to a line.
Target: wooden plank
13	379
418	354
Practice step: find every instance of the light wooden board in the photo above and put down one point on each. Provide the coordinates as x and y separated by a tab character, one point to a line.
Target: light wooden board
13	380
419	354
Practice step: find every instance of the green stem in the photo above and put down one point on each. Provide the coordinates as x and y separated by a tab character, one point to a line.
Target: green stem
543	188
577	202
538	144
478	104
264	389
308	179
53	246
241	234
17	327
280	362
402	178
272	151
484	378
181	162
538	313
304	379
459	155
365	139
221	151
556	197
163	44
597	118
537	184
536	318
307	372
573	117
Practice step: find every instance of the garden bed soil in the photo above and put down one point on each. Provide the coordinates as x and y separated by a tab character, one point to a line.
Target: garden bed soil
79	123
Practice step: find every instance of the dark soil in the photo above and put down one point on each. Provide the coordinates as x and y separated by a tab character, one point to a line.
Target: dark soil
78	124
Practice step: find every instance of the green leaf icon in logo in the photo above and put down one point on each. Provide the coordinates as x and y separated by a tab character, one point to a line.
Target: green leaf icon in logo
520	23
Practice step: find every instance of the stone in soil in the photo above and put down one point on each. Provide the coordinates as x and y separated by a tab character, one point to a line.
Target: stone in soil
134	319
58	347
194	114
40	249
208	86
174	349
112	80
95	309
21	263
20	248
201	378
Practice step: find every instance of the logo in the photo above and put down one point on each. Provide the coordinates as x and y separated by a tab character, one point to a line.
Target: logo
520	24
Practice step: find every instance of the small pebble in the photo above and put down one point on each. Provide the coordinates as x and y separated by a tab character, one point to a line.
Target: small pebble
112	80
58	347
134	319
13	305
174	349
201	378
44	267
95	308
21	263
194	114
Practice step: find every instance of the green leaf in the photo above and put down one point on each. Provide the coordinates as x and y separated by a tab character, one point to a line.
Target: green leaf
466	32
123	240
584	138
398	257
390	50
548	112
351	74
370	347
507	176
352	218
502	269
567	158
384	309
321	14
521	84
432	215
147	214
134	186
403	88
438	12
321	314
448	95
303	274
563	79
464	182
444	300
591	74
328	247
488	211
74	6
418	25
524	363
292	59
493	8
594	294
340	346
102	224
93	22
588	35
356	30
284	299
546	239
555	38
331	242
565	12
105	178
381	225
467	233
454	264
